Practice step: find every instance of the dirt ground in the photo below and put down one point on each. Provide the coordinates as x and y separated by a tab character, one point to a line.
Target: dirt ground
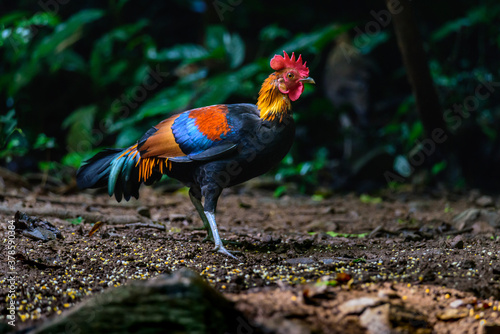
399	261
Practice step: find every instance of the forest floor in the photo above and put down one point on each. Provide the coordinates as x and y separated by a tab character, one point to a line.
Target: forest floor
400	261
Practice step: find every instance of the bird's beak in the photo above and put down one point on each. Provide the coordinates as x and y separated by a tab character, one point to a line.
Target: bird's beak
308	80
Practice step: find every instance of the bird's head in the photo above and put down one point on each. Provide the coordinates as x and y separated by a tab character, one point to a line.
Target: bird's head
291	74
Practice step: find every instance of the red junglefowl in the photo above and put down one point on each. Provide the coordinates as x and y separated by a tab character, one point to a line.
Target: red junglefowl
209	148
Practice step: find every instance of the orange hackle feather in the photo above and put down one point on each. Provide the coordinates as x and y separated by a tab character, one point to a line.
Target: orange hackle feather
272	103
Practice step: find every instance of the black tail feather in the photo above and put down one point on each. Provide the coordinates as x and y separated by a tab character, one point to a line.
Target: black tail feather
122	168
95	172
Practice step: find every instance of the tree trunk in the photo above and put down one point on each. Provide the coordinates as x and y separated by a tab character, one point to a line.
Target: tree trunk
415	60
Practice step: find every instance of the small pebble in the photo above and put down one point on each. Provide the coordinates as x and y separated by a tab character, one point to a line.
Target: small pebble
457	242
484	201
457	303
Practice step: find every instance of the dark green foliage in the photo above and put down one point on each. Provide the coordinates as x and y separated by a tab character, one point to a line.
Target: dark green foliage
80	76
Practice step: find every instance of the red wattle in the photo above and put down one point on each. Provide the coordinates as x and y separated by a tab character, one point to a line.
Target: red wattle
295	93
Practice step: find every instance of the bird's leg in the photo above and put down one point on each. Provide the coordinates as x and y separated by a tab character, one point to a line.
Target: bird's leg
215	233
196	200
206	225
211	194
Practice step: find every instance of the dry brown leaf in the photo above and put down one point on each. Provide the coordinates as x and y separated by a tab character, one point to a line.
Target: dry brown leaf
94	229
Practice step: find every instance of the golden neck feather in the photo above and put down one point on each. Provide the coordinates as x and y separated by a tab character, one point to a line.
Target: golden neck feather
272	103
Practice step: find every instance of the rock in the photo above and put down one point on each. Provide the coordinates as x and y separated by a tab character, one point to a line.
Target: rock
376	320
457	303
182	302
484	201
468	217
465	217
491	217
482	227
357	306
35	228
457	242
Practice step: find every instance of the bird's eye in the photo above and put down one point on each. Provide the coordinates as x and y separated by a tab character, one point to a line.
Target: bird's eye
290	75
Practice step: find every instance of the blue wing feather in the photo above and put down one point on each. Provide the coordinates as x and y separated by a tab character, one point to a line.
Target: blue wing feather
199	129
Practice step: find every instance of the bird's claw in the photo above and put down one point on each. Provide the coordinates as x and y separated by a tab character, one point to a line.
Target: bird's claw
223	250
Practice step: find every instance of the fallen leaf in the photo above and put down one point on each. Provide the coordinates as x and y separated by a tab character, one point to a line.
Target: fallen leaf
343	278
94	229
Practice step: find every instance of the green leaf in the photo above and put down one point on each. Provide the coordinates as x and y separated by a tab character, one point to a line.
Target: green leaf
346	235
75	221
41	19
46	166
80	124
72	159
104	66
43	142
164	103
128	136
482	14
12	17
280	191
214	38
359	260
235	49
364	198
415	132
8	123
315	40
185	52
217	89
66	33
402	166
272	32
16	26
68	60
439	167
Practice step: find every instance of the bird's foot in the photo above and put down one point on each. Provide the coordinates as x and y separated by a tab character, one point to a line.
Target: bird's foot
223	250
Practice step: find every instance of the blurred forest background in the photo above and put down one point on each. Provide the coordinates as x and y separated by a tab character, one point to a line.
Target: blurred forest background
407	94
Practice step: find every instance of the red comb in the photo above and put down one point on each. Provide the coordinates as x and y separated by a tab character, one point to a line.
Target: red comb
279	62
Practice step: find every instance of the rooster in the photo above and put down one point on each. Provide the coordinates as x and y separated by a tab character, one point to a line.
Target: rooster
209	148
